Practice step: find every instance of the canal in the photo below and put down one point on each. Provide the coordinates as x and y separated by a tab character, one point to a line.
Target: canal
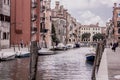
68	65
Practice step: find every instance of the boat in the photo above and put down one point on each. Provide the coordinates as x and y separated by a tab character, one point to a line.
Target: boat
5	56
45	51
22	54
90	57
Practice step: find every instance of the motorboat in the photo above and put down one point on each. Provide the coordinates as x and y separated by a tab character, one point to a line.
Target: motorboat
90	57
5	56
22	54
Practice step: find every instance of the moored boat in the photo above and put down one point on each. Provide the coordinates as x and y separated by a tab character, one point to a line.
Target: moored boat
90	57
22	54
5	56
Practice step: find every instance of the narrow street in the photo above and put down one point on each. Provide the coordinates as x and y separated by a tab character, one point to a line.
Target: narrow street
68	65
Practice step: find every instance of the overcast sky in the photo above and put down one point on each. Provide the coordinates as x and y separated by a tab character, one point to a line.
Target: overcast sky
89	11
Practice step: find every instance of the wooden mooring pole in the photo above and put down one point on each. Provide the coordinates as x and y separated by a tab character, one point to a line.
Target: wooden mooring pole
33	60
99	53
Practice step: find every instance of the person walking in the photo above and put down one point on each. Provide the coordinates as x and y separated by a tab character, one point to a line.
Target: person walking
114	46
21	43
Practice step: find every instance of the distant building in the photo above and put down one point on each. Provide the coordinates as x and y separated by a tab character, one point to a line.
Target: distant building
4	23
92	29
110	31
59	19
67	27
116	21
25	21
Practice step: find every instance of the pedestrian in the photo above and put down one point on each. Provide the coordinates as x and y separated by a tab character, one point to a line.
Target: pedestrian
114	46
21	43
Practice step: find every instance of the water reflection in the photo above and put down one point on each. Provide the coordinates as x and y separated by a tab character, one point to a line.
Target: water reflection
14	70
68	65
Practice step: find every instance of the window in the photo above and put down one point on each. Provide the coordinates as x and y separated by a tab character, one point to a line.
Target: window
69	40
4	35
119	31
1	17
118	23
4	1
118	37
8	2
7	18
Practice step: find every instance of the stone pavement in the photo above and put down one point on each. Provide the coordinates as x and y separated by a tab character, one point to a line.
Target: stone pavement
113	62
109	68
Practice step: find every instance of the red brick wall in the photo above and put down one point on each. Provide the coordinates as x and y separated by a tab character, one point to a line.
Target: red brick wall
20	21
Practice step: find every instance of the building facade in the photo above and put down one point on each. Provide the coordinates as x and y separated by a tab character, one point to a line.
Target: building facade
25	21
4	23
45	22
110	31
67	27
116	21
92	29
59	19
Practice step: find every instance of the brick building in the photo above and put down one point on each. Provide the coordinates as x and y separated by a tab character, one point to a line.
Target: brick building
25	21
116	21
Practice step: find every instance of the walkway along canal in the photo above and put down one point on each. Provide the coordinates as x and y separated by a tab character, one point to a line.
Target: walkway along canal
68	65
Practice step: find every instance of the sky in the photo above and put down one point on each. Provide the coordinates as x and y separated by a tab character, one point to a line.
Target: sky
89	11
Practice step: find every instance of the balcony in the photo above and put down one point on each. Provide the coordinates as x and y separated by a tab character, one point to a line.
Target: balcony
118	23
43	30
42	8
34	30
34	4
42	15
42	19
34	17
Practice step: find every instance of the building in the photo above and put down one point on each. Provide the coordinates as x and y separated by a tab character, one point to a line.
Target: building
72	31
4	23
110	31
67	27
45	22
92	29
25	21
59	20
116	21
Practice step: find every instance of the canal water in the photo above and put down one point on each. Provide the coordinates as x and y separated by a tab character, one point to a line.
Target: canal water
68	65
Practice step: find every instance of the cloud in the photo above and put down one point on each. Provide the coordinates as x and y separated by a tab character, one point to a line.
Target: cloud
90	18
90	11
85	4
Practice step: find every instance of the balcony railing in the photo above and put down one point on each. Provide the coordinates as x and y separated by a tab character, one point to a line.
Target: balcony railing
34	30
43	30
34	4
42	8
